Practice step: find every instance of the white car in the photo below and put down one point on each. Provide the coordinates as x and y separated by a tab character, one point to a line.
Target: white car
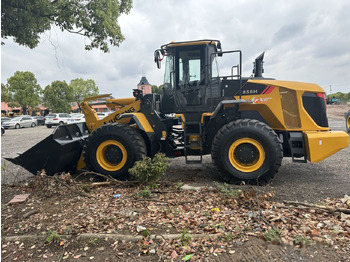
19	122
55	119
77	118
102	115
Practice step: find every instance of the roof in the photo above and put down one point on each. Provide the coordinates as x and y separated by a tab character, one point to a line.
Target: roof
4	106
191	43
143	81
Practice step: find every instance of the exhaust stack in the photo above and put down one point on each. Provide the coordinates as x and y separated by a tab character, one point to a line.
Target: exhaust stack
258	65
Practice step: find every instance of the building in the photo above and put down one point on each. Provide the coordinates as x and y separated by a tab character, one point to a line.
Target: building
145	86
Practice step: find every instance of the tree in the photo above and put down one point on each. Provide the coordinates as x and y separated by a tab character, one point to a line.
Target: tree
25	20
83	88
23	91
58	96
157	89
5	94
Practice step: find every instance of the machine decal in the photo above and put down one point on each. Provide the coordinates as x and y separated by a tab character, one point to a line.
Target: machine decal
268	90
256	89
116	117
261	100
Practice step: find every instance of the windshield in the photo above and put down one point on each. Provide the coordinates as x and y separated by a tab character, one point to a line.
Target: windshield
168	74
16	119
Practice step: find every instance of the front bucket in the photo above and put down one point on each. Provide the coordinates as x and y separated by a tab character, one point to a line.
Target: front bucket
57	153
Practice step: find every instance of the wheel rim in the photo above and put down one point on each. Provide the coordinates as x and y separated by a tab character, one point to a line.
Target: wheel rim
111	155
348	122
246	155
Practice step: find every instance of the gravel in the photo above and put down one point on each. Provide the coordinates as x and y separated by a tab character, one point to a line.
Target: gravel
309	182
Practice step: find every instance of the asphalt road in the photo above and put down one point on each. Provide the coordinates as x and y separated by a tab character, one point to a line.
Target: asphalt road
310	182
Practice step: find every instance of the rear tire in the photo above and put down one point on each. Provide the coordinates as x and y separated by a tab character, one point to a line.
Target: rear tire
17	126
33	125
49	126
247	150
112	149
347	121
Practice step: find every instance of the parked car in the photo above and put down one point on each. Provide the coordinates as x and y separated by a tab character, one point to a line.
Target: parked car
19	122
40	120
77	118
55	119
5	119
102	115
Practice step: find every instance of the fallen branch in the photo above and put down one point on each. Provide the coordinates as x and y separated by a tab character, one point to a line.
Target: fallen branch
112	183
30	213
323	208
110	180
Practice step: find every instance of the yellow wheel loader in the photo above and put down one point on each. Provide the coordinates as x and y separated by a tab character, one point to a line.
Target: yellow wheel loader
247	124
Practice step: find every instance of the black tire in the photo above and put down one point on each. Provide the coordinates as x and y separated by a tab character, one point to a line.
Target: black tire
247	150
347	122
17	126
48	126
33	124
61	123
112	149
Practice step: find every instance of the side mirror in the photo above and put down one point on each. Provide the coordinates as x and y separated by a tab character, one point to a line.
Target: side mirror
157	58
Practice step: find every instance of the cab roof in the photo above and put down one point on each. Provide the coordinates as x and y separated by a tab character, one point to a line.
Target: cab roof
216	43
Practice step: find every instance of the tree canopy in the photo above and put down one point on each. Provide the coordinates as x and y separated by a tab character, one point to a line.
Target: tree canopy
22	90
58	96
25	20
83	88
157	89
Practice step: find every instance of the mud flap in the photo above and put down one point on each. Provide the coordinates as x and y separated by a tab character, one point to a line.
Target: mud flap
57	153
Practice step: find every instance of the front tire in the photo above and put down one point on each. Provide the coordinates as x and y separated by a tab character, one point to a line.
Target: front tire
17	126
247	150
112	149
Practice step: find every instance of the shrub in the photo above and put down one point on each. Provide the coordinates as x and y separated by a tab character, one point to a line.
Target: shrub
150	170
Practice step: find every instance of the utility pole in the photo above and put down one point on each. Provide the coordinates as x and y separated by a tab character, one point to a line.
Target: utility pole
330	89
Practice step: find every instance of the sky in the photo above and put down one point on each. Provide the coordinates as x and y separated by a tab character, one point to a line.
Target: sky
306	41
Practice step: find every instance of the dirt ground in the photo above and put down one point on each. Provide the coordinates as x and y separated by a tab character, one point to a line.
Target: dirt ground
65	219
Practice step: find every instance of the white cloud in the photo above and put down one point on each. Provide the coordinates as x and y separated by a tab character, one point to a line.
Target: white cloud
304	41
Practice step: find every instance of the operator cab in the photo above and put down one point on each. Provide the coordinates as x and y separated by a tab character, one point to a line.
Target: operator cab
189	69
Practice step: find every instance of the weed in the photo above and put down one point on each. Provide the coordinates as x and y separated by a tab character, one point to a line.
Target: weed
93	240
146	192
174	211
53	237
273	236
146	232
179	184
206	214
185	238
228	190
227	238
301	241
